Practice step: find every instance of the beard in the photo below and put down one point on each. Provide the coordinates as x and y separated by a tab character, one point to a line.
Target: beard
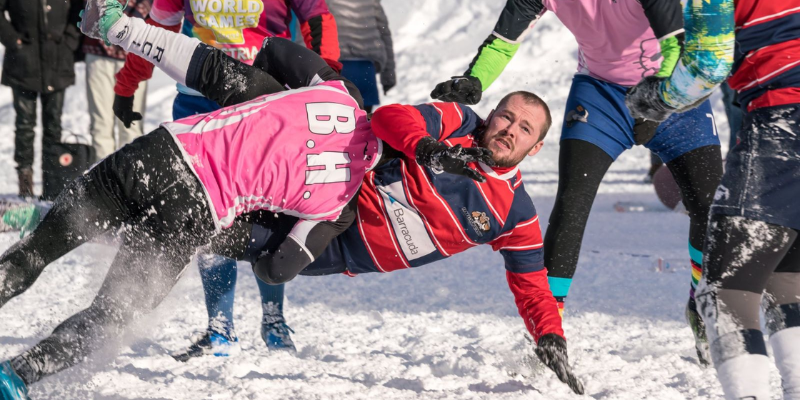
508	161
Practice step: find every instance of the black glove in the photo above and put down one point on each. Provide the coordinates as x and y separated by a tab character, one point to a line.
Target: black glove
644	130
454	160
388	80
552	351
387	88
459	89
123	109
644	100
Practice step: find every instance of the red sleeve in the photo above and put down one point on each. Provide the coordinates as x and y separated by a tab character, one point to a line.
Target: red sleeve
401	127
319	29
535	303
321	35
137	69
525	236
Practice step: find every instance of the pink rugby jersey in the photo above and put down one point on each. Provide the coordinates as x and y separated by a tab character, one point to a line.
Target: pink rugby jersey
615	41
302	152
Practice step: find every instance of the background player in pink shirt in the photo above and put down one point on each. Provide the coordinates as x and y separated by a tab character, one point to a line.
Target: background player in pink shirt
619	43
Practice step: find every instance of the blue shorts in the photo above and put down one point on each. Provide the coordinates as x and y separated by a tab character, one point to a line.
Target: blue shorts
186	105
362	74
596	113
762	172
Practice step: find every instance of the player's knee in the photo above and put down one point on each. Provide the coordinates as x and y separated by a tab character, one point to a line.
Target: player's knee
269	274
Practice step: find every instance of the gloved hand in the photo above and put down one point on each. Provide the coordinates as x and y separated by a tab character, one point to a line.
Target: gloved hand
552	351
644	100
454	160
388	80
459	89
99	16
123	109
644	130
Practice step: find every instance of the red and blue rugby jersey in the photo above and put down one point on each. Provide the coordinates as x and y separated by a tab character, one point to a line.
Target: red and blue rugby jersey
409	216
767	65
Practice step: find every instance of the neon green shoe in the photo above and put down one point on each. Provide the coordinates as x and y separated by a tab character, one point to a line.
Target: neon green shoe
24	217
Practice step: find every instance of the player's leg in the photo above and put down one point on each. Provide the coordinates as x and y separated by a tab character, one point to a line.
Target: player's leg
274	330
581	167
218	274
741	254
753	225
244	241
170	218
783	320
595	131
88	207
689	145
146	267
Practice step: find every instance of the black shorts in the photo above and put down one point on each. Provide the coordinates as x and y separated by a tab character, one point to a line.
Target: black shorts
762	173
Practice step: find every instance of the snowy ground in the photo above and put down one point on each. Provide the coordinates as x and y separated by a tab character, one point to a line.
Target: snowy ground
449	330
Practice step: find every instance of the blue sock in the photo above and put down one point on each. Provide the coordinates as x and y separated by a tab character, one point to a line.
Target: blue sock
219	284
560	288
271	300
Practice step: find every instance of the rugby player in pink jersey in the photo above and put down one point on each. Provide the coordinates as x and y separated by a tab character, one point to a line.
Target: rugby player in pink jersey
300	152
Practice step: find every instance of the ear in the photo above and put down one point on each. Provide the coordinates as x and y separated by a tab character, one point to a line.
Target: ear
536	148
488	118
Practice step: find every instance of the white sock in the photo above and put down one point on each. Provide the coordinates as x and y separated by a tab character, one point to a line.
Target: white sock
786	349
745	377
170	51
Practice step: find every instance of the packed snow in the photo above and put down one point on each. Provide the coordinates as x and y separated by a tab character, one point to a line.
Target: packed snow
449	330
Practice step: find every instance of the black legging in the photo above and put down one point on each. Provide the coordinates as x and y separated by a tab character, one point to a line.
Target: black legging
581	167
147	187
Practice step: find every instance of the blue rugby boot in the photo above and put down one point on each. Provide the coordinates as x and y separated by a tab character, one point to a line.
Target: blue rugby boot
209	343
11	385
274	330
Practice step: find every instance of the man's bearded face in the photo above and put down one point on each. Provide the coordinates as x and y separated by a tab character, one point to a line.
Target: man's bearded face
513	132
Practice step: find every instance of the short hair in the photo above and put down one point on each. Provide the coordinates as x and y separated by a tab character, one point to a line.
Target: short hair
532	99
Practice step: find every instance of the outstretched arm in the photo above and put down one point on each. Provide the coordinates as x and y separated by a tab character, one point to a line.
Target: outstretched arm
516	19
704	64
527	278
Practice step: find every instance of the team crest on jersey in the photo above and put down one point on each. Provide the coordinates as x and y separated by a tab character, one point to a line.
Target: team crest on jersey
478	220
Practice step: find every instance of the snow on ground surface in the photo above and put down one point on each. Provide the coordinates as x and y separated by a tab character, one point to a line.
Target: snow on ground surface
449	330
